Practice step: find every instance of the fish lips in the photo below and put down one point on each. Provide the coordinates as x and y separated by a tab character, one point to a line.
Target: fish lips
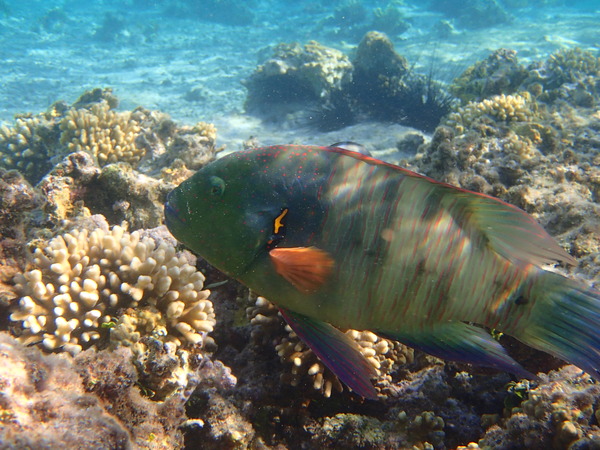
172	218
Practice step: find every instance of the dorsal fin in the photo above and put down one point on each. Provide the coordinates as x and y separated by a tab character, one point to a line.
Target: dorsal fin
512	232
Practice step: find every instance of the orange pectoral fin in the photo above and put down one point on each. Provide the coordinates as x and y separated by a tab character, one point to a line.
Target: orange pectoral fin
306	268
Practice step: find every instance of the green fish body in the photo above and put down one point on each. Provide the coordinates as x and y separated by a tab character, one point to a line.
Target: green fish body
337	239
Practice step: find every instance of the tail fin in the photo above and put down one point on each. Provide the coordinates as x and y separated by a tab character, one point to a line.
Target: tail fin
564	321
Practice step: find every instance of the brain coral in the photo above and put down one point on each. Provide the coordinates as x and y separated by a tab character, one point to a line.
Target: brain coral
78	284
106	134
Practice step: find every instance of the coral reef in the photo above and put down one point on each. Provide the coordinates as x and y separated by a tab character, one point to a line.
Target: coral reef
18	201
302	364
500	73
65	185
397	430
121	193
146	140
295	76
111	377
499	108
82	287
44	404
570	74
24	146
49	401
136	312
352	19
319	86
571	66
560	412
389	20
385	88
536	149
105	134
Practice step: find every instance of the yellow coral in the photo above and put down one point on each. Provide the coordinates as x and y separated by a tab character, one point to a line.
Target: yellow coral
504	108
107	135
77	284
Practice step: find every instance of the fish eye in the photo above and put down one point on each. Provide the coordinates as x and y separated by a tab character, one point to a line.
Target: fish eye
217	186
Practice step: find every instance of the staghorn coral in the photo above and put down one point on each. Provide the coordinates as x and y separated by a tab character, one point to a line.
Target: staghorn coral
78	284
383	354
107	135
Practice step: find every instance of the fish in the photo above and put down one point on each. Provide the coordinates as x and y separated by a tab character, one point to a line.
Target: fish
340	240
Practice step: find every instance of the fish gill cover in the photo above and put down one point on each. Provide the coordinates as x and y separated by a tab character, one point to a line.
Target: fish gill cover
108	106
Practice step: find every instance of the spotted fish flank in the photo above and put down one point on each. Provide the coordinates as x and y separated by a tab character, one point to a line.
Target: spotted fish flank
338	239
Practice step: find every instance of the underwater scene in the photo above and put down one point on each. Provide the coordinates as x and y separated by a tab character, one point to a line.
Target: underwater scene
278	224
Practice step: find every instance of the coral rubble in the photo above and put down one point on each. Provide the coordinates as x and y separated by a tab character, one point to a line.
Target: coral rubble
49	401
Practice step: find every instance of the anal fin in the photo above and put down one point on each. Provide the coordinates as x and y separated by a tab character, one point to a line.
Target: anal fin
337	351
461	342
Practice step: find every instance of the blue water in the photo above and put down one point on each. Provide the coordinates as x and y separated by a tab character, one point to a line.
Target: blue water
154	53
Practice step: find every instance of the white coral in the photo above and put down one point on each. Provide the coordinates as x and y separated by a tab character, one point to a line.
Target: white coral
83	283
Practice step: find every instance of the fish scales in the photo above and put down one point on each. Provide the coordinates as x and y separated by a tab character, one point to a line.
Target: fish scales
339	239
428	244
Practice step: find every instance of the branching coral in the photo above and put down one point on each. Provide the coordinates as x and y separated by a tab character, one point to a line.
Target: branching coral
502	108
24	146
107	135
146	140
383	354
77	285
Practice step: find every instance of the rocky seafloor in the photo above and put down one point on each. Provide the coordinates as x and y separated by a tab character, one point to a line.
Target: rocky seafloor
113	336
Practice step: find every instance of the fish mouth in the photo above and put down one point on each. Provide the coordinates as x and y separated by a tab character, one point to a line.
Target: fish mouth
172	219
